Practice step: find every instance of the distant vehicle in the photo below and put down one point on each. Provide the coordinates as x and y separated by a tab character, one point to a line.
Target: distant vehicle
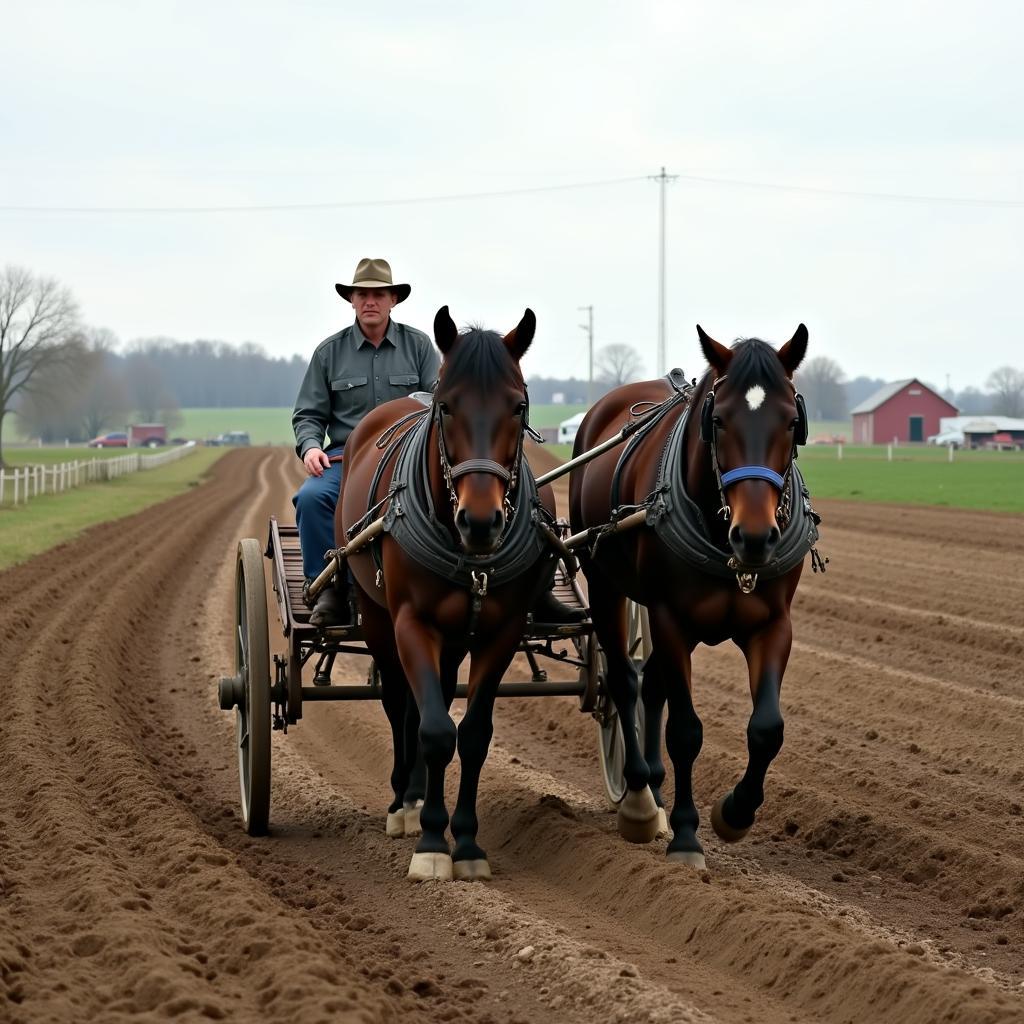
829	439
147	435
111	440
948	439
232	437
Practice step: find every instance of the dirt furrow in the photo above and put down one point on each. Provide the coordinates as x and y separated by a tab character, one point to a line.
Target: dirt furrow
128	890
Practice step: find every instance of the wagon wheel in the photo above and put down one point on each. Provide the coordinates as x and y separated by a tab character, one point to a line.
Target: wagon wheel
611	746
252	667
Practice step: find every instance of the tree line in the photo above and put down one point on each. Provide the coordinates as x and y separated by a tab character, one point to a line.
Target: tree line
67	380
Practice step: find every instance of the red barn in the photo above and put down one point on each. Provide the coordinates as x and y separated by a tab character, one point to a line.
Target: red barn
905	410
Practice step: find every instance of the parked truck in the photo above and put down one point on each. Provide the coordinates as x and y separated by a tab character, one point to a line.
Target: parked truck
147	435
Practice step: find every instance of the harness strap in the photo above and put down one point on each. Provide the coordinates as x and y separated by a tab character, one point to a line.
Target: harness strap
481	466
753	473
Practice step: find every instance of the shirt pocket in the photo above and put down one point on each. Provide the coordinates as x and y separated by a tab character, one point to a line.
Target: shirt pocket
400	385
348	383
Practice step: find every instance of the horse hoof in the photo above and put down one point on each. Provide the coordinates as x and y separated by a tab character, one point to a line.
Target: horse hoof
395	826
722	828
691	858
427	867
412	818
663	826
472	871
638	816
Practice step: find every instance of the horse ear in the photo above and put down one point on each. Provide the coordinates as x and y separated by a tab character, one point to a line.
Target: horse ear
793	352
445	331
519	338
714	351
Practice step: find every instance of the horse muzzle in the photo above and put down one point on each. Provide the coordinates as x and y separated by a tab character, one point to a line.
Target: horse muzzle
754	547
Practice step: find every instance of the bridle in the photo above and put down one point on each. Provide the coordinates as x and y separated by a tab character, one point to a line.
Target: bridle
509	477
709	435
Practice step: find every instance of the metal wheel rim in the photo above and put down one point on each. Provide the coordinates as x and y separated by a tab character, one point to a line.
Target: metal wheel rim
252	664
611	745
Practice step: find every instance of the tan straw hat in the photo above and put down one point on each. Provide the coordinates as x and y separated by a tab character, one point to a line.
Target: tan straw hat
373	274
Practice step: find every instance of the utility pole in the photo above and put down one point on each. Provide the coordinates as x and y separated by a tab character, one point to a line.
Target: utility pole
662	180
589	328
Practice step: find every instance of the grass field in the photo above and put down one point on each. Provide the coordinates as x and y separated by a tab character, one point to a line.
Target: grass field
274	426
55	456
915	476
50	519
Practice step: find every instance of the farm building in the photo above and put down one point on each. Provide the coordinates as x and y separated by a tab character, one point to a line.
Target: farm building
905	410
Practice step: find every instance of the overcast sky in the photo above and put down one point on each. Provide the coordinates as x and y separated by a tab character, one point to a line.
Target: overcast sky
181	105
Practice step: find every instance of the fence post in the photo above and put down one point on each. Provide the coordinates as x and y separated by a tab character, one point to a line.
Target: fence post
950	448
839	451
3	476
17	477
889	452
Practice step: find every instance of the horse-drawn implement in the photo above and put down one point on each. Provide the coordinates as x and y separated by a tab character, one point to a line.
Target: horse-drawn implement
426	517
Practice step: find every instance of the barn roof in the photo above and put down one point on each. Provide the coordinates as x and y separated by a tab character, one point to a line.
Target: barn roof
883	394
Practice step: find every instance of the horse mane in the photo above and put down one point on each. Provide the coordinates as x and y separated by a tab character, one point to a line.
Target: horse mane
754	362
482	355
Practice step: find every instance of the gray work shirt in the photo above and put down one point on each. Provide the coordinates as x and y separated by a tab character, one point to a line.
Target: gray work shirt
347	377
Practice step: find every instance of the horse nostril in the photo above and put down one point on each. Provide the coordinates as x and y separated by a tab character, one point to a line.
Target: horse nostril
461	519
773	536
735	535
499	519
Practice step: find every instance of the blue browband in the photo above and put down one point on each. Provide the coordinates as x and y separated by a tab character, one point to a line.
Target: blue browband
752	473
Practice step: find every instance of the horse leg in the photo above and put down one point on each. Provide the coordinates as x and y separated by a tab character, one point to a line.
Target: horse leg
653	695
767	654
638	812
416	770
419	649
395	698
475	731
684	734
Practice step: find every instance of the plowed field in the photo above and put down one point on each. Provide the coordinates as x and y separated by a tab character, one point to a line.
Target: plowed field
883	882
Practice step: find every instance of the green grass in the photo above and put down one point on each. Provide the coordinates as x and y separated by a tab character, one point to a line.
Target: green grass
54	456
274	426
917	476
50	519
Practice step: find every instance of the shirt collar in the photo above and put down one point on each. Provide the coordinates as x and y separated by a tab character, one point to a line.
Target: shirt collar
390	335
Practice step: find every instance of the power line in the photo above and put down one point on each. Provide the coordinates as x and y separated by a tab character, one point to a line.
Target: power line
347	205
894	197
737	183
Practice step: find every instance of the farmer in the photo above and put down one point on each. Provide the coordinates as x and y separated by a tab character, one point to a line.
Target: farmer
351	372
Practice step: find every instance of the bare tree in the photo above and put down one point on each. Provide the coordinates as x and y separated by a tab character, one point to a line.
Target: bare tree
820	381
1007	387
104	398
618	364
38	329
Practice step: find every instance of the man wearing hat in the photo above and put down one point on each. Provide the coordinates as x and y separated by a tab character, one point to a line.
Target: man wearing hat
351	372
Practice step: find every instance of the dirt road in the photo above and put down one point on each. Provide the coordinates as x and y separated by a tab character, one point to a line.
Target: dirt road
884	880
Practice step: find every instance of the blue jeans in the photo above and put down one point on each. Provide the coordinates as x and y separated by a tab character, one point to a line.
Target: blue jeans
314	504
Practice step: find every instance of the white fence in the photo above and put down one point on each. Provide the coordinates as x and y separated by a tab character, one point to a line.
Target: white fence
18	486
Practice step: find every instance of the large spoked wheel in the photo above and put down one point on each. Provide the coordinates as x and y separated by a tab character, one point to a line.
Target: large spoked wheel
252	668
611	746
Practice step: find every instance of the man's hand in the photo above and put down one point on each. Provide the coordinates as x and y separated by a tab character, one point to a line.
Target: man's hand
316	461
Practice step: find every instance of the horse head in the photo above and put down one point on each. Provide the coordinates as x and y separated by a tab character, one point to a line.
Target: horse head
751	421
480	412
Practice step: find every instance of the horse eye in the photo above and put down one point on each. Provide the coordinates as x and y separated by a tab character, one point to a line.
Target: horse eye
520	409
443	406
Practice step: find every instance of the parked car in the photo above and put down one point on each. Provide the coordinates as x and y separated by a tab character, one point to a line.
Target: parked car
232	437
147	435
949	438
112	440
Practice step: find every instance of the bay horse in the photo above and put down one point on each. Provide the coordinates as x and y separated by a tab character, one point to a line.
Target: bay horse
718	558
456	571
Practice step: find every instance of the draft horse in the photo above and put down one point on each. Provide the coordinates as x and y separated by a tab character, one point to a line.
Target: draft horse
458	567
718	558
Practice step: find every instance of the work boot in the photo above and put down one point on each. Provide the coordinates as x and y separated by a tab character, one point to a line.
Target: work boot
331	608
549	609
